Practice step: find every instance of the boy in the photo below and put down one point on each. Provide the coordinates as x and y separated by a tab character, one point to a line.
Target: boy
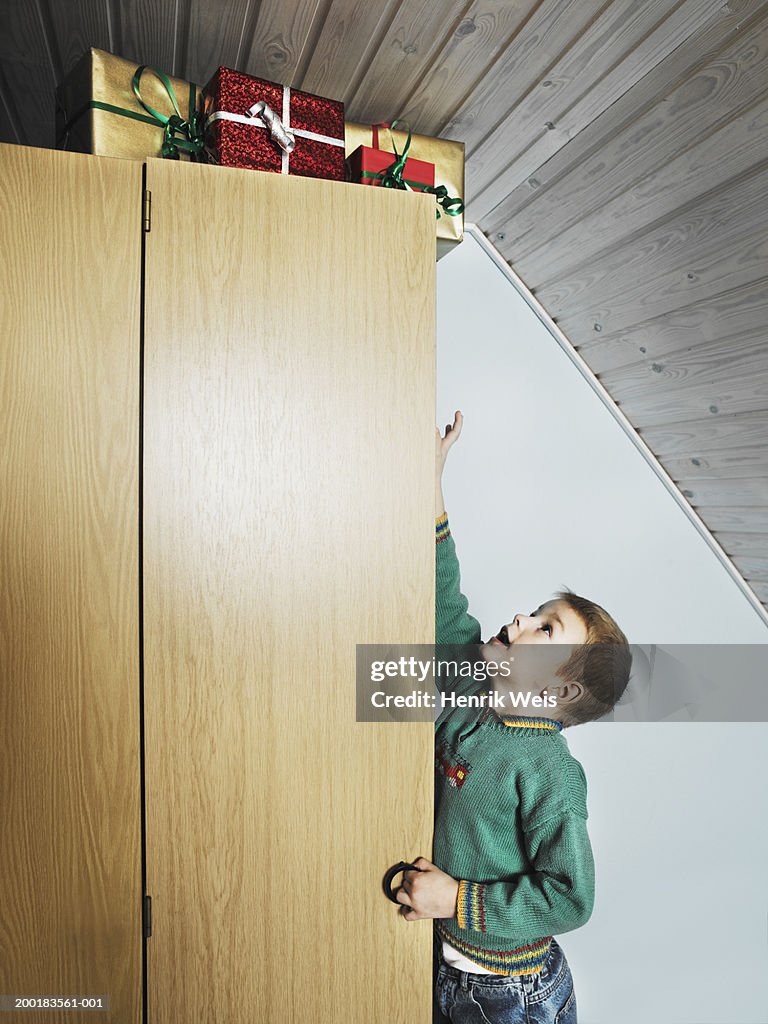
512	859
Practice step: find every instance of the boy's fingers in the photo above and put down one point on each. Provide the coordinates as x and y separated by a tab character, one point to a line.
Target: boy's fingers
402	897
411	915
452	428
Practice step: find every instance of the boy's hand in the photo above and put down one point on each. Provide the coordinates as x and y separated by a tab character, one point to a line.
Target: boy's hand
442	447
427	893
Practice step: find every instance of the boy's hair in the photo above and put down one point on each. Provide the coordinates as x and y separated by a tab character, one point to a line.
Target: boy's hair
602	664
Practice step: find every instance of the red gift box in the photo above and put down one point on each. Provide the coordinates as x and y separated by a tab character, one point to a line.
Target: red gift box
256	124
367	164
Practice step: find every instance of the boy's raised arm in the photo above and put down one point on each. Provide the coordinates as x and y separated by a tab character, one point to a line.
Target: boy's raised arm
453	623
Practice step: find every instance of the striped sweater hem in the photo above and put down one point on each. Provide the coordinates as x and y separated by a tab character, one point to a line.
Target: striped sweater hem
522	960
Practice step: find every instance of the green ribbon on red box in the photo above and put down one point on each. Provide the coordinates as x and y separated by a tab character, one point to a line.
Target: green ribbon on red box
392	177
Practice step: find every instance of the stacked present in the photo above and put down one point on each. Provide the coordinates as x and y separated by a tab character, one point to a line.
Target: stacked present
250	122
425	164
111	107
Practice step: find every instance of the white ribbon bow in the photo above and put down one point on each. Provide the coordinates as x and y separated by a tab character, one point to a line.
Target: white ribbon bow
262	116
285	138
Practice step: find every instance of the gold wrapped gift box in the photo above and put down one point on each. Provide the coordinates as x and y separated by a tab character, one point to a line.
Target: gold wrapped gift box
101	78
445	154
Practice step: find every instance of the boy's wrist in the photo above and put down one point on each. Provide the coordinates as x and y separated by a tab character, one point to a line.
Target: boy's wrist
470	905
442	529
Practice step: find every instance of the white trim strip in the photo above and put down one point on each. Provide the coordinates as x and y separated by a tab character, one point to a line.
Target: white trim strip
257	122
287	125
701	527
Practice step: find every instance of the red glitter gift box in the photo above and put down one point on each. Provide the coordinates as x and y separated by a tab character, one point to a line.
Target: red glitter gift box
256	124
367	166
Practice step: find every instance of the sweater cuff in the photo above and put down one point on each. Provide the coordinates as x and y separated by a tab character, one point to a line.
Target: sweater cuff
442	530
470	906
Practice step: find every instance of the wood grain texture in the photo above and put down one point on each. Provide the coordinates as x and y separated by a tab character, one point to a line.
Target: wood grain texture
210	38
408	49
553	27
647	407
716	245
737	462
468	56
720	317
345	45
753	567
283	40
28	69
70	858
618	50
680	371
738	544
150	34
31	89
610	144
77	27
735	520
760	587
749	552
667	108
714	224
736	493
11	128
681	181
715	432
287	516
23	39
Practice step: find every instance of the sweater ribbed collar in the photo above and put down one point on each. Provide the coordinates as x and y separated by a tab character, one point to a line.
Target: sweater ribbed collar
523	725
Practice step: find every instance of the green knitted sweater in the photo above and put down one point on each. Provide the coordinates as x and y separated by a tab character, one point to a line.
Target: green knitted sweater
511	814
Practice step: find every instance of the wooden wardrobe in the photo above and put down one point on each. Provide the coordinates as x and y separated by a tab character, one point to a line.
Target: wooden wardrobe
217	397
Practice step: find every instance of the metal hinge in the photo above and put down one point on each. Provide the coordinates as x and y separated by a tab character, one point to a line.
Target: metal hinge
146	211
147	914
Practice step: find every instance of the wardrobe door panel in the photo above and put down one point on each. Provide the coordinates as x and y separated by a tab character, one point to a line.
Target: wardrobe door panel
70	855
288	515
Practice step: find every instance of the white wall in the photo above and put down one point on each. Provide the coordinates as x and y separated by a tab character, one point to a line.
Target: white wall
544	489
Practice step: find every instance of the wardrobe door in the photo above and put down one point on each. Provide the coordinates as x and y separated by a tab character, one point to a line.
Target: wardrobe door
288	488
70	839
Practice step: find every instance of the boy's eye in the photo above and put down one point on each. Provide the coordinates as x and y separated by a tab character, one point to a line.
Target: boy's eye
547	628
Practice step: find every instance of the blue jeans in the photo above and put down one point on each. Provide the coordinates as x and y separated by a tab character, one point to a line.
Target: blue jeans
544	998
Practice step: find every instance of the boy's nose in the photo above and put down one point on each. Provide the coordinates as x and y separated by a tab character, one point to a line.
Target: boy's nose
521	623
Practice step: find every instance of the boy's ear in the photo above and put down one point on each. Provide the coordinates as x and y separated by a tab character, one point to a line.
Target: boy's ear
569	692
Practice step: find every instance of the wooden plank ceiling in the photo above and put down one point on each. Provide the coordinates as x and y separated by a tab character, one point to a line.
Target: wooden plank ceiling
616	156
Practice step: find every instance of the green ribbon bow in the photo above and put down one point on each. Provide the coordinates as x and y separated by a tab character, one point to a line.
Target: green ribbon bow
451	207
392	177
178	134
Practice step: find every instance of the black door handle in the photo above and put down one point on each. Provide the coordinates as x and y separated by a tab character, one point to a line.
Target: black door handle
395	870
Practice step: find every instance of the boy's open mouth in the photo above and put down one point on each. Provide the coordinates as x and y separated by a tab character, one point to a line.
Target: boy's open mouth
502	637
